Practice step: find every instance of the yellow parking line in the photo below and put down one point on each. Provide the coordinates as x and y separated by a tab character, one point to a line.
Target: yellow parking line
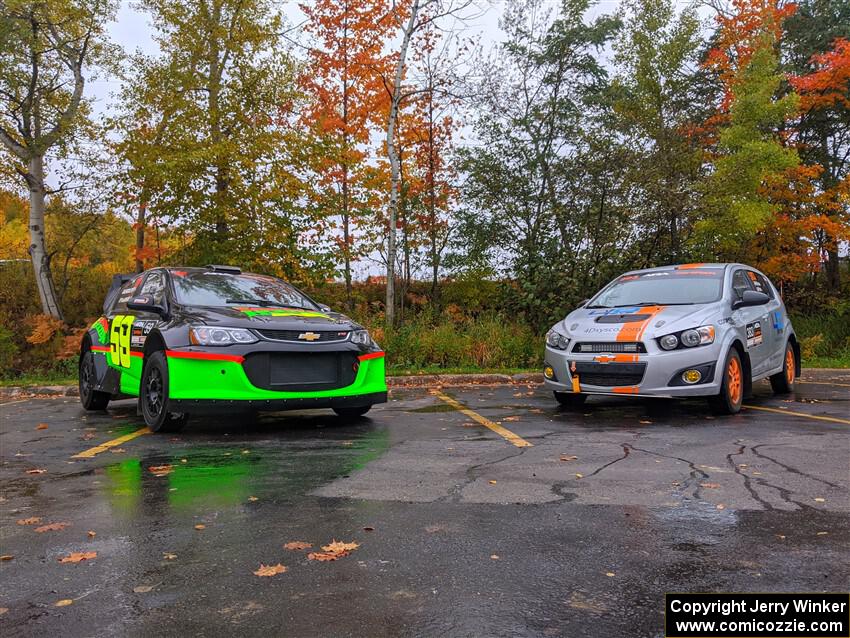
840	385
831	419
487	423
97	449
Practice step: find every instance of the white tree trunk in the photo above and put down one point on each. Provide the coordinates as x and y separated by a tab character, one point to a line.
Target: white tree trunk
37	249
392	153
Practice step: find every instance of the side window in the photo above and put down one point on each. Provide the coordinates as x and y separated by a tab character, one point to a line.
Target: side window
154	287
740	283
125	295
759	283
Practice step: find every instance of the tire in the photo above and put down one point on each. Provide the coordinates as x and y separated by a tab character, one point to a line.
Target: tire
90	398
352	413
153	397
783	382
731	395
570	399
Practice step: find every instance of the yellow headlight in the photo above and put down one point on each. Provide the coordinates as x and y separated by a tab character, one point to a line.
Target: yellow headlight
549	372
691	376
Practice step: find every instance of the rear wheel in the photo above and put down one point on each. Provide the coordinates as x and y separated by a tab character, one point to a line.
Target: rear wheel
570	399
352	413
153	397
731	395
90	398
783	382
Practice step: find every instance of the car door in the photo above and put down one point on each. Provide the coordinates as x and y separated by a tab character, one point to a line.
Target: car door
121	321
773	329
754	320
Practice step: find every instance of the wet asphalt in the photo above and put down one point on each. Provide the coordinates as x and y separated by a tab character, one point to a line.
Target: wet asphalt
460	532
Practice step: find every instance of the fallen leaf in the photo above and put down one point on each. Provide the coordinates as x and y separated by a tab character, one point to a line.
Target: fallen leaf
200	526
644	422
169	556
51	527
41	426
611	574
35	520
142	589
160	470
6	557
781	537
711	486
324	556
117	450
270	570
3	610
492	482
742	465
495	556
822	533
76	557
64	602
818	499
339	547
36	470
568	458
297	545
511	418
721	506
184	460
91	534
253	498
578	476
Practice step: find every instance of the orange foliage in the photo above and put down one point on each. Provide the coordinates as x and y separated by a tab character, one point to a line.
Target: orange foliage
44	327
829	85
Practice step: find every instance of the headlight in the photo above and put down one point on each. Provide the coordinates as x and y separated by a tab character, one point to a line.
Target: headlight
669	342
556	340
688	338
213	336
360	336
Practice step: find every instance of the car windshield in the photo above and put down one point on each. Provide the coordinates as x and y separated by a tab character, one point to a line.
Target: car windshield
662	288
226	289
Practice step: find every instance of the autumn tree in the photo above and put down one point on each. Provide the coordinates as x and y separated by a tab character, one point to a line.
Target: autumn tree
751	155
47	49
344	78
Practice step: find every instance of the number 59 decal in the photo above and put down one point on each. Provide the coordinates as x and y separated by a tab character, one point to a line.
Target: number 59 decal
119	340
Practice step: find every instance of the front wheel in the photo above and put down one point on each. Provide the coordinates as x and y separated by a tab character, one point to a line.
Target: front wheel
153	396
570	399
783	382
352	413
90	398
731	395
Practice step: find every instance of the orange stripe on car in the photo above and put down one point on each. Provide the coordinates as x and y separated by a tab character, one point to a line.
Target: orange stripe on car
633	331
617	358
370	355
625	389
690	266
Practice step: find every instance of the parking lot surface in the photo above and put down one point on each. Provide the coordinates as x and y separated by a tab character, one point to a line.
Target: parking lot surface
476	511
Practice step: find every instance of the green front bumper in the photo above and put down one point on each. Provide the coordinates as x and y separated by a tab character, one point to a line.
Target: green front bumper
222	380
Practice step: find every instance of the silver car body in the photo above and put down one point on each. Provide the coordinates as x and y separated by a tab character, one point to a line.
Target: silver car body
617	350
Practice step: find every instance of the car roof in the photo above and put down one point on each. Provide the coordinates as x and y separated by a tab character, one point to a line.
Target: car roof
694	266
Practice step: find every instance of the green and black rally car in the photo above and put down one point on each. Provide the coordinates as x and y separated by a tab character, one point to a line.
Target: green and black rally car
194	340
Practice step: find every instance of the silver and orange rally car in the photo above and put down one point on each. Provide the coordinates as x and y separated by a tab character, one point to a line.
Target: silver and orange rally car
677	331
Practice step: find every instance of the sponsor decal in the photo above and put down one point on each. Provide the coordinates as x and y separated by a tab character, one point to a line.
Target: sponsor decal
309	336
777	321
754	336
279	312
101	327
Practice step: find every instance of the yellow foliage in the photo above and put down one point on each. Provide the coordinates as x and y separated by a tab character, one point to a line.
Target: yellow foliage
44	327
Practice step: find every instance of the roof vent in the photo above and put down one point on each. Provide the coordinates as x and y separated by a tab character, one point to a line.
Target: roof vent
219	268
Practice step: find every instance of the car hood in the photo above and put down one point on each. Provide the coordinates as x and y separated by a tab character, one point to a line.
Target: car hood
641	322
268	318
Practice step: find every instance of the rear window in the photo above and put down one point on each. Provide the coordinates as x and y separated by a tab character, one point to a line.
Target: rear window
226	289
662	288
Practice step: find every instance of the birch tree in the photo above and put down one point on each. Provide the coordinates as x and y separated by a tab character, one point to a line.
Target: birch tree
46	47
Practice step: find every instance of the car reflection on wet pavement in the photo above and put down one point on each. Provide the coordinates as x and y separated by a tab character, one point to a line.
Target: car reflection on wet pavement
460	530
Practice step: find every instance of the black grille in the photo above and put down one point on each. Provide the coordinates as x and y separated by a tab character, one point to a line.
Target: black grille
301	371
293	335
616	347
626	318
609	374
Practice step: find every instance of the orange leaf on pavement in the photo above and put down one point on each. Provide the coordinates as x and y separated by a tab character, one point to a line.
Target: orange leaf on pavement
160	470
35	520
51	527
36	470
270	570
297	545
41	426
76	557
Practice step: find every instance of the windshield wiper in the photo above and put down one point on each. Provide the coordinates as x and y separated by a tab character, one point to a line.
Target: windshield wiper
265	303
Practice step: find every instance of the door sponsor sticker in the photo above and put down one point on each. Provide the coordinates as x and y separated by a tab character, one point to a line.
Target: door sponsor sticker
754	336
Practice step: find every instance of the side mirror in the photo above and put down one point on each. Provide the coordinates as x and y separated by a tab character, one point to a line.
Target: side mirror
146	304
324	308
750	298
583	302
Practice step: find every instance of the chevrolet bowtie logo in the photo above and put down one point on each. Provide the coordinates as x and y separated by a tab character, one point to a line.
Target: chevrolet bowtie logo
309	336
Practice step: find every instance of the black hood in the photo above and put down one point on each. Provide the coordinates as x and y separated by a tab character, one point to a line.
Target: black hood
266	318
